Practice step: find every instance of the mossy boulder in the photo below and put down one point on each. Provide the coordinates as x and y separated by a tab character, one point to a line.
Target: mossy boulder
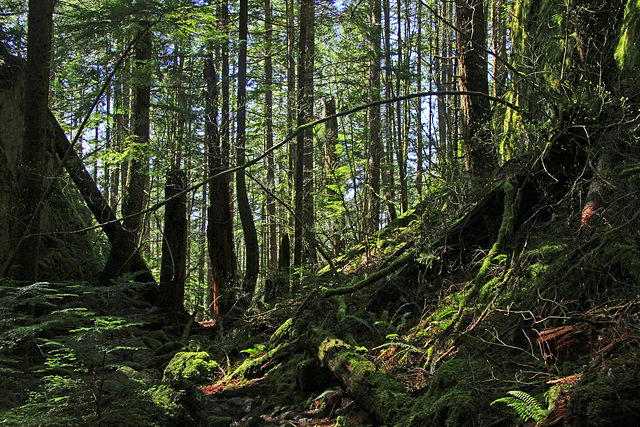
609	396
190	367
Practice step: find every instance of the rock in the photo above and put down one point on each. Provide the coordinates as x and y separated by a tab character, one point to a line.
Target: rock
190	367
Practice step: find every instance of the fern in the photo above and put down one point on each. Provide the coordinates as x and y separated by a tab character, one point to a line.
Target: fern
525	405
401	345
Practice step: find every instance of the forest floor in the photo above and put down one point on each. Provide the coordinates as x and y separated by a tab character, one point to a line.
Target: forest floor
505	308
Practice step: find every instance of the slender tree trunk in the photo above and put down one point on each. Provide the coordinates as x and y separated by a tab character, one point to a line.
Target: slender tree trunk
401	155
271	252
479	154
35	142
441	80
419	130
118	137
284	263
109	141
388	176
219	218
126	244
244	208
303	183
499	48
333	179
375	137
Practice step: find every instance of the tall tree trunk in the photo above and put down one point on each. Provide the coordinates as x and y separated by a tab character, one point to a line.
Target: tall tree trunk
272	235
499	48
219	218
284	270
35	142
401	142
252	265
388	176
479	154
333	178
375	137
118	137
126	244
419	130
173	269
441	79
303	182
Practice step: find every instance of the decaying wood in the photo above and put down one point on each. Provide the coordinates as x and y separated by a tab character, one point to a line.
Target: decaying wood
375	391
92	195
564	343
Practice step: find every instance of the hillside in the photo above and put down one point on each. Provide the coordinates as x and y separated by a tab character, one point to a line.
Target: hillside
507	294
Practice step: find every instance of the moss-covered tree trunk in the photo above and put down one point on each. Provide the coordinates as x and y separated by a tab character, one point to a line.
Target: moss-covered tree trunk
374	390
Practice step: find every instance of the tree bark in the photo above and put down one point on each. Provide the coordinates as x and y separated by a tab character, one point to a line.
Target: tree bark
34	145
252	264
419	130
375	137
173	269
388	180
291	106
479	154
499	48
303	182
271	251
219	219
334	180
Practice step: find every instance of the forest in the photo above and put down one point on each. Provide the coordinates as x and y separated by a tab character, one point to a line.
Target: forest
319	213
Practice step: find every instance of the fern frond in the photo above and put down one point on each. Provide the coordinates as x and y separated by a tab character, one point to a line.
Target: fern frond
361	321
525	405
401	345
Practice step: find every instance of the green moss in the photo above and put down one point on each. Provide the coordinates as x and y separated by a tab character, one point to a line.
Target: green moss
451	399
286	330
627	50
252	363
609	398
194	367
167	399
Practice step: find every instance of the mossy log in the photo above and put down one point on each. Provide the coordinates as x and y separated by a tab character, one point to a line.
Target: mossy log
375	391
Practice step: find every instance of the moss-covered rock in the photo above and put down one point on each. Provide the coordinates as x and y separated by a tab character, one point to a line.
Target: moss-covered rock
610	397
190	367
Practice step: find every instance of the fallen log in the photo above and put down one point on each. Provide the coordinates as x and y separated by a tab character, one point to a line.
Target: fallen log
375	391
92	195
